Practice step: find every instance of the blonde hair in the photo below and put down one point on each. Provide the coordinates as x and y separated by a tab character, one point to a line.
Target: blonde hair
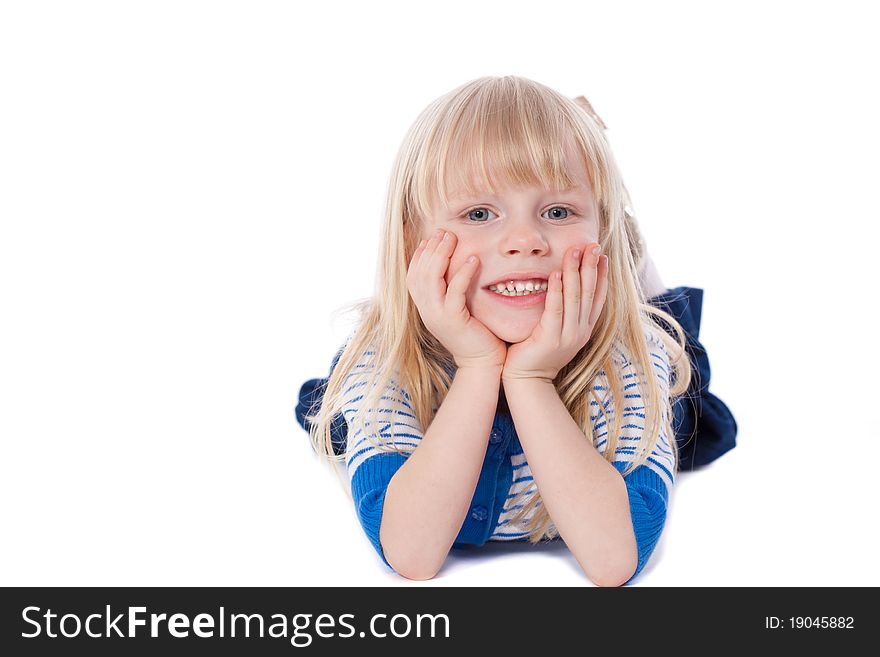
517	128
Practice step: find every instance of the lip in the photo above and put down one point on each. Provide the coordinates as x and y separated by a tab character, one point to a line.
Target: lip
526	301
518	276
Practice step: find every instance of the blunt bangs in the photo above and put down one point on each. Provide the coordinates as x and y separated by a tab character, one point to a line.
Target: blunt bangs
501	135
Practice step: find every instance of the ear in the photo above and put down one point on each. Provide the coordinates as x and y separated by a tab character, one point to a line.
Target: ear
583	102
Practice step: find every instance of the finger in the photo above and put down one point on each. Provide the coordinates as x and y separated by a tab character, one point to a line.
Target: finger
601	291
420	249
553	305
571	292
427	250
413	267
589	276
433	241
456	294
440	257
427	269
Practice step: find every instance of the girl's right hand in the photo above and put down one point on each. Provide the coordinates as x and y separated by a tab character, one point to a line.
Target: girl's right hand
443	309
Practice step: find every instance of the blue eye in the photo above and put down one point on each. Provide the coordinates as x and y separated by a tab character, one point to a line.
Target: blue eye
482	210
562	207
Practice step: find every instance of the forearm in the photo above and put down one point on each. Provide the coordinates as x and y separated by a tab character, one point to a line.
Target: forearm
429	496
584	494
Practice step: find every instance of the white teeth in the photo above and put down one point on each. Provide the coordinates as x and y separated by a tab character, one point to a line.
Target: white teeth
520	288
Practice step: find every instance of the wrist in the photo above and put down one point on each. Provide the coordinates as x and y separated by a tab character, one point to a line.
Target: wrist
525	380
488	368
479	364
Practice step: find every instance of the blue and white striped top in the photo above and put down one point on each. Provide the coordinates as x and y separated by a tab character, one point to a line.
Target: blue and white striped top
507	474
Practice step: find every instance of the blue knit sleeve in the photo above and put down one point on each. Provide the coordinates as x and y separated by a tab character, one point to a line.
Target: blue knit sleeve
368	487
648	500
370	469
649	486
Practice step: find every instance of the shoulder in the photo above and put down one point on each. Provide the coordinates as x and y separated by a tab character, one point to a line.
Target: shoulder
659	356
652	338
361	378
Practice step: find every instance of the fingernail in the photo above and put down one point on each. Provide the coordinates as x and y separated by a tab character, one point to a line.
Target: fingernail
597	250
577	254
439	232
445	237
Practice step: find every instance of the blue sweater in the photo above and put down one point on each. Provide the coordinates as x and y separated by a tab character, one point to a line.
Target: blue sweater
505	471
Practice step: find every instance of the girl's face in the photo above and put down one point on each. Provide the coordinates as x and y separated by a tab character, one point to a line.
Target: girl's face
527	229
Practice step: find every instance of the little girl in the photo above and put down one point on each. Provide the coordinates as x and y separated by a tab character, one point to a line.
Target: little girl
510	379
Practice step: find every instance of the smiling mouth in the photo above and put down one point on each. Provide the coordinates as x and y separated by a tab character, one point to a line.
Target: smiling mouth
517	290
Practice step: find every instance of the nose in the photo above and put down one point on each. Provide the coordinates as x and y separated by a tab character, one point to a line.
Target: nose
524	238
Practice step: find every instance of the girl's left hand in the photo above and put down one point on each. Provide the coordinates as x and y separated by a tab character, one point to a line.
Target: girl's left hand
571	309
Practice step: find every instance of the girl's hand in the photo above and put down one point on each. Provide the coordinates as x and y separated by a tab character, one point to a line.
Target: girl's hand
443	309
571	310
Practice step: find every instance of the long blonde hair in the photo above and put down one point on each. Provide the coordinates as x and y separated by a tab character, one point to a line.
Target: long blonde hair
518	128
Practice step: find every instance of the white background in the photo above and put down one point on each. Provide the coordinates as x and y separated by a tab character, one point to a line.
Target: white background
189	190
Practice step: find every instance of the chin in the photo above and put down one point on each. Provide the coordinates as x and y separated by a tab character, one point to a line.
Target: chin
509	332
511	335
